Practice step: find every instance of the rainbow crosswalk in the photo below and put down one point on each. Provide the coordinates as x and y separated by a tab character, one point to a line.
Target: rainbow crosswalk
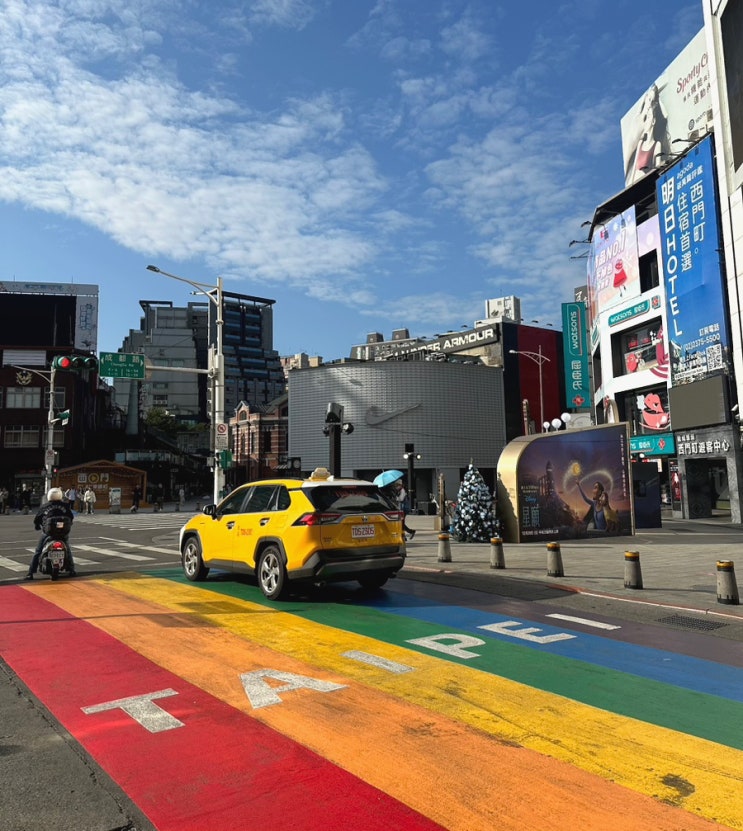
213	708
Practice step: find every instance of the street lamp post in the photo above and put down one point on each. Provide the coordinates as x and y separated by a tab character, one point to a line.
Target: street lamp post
216	366
540	360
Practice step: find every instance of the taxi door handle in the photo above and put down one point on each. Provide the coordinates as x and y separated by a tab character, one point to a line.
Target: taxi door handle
265	520
230	525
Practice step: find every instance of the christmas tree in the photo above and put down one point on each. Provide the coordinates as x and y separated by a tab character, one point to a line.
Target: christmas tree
474	519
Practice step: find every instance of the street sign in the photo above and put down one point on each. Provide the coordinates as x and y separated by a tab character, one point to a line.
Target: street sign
221	436
122	365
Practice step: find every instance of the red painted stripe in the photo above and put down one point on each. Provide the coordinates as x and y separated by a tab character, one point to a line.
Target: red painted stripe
222	770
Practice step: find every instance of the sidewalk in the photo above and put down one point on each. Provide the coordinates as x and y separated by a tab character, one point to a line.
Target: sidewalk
678	565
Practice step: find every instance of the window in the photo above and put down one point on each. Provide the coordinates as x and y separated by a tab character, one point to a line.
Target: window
267	435
234	503
23	398
260	499
22	436
649	278
59	398
57	438
640	348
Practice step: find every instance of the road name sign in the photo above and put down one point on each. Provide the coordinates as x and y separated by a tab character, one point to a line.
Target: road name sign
122	365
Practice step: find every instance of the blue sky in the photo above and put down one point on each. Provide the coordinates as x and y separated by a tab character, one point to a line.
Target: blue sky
368	164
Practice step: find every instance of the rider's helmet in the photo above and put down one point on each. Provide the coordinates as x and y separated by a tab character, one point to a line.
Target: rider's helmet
55	495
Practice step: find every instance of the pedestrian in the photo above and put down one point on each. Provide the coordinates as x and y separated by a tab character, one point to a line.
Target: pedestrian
3	500
26	499
89	499
404	503
181	498
136	497
71	496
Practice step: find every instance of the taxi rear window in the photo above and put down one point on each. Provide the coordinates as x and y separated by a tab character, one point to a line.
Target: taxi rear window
348	499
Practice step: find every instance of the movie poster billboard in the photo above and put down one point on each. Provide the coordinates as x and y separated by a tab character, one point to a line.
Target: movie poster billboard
575	354
613	263
676	106
567	484
698	334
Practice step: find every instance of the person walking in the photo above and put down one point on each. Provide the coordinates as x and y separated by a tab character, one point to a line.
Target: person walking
71	496
3	500
404	503
89	500
136	497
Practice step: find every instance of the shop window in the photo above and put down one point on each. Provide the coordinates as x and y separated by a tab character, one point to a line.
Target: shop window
649	276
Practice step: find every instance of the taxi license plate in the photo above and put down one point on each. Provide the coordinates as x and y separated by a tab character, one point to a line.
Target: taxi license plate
362	532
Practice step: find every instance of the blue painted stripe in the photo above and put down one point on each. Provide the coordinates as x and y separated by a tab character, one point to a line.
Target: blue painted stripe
682	671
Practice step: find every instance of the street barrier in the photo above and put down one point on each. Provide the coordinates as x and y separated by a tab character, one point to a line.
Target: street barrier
554	560
727	588
444	552
497	560
632	570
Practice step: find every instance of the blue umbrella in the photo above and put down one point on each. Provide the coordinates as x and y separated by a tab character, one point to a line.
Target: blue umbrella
387	477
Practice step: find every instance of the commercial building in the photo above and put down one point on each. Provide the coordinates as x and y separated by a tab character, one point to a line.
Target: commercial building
663	276
65	323
451	412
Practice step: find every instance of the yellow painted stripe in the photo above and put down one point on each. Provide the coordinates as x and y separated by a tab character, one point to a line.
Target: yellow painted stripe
469	770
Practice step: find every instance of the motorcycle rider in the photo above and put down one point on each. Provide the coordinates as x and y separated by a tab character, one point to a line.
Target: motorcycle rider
54	507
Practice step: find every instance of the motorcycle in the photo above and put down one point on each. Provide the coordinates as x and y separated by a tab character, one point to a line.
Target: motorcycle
55	555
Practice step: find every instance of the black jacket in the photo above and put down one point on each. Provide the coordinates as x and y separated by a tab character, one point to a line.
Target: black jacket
52	509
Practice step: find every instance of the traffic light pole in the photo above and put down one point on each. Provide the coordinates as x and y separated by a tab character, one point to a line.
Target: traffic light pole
216	366
49	455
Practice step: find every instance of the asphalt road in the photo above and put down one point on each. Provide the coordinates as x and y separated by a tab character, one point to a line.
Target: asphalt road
50	782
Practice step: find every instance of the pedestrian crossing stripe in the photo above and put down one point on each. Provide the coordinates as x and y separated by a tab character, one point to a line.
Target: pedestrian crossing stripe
19	566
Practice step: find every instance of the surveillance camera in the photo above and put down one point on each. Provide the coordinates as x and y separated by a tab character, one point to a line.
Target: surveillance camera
734	409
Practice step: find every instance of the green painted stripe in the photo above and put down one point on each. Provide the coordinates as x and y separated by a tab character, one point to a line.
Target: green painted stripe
696	714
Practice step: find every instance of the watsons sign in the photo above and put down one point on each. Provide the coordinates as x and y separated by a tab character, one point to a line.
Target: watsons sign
575	353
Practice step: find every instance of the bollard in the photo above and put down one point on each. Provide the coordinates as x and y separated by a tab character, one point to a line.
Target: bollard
444	549
632	571
727	588
497	559
554	560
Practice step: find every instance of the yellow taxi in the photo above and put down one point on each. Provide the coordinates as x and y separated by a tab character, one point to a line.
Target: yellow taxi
290	531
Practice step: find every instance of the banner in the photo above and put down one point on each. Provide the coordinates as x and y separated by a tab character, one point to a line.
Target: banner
575	352
698	335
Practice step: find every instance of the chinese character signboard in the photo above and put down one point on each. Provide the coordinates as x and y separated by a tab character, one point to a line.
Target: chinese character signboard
575	350
613	263
698	337
121	365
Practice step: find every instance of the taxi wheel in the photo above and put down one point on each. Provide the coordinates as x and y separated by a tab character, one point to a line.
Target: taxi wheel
271	573
374	580
193	565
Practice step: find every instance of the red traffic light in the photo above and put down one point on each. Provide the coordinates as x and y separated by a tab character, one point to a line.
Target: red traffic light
75	362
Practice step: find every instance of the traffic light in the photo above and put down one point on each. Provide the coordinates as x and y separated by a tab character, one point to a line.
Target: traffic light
75	362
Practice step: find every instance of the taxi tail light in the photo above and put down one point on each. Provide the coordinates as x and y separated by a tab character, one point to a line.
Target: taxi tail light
317	518
394	516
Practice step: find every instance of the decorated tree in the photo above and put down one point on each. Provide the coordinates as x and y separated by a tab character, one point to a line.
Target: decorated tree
474	518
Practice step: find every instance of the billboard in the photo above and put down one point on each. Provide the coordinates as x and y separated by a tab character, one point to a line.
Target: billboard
567	484
698	333
64	314
613	263
676	106
575	352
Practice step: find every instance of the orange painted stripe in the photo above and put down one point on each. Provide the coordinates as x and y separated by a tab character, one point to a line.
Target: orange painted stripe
457	776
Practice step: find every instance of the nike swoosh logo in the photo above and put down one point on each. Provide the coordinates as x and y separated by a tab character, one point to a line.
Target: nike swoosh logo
375	415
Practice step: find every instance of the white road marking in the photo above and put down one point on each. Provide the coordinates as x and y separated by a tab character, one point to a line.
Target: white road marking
595	623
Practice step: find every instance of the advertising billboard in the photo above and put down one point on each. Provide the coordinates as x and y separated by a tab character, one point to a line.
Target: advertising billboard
613	263
567	484
575	351
698	333
676	106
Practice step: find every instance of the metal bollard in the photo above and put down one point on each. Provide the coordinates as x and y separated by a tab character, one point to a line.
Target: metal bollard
632	571
727	588
497	560
554	560
444	549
